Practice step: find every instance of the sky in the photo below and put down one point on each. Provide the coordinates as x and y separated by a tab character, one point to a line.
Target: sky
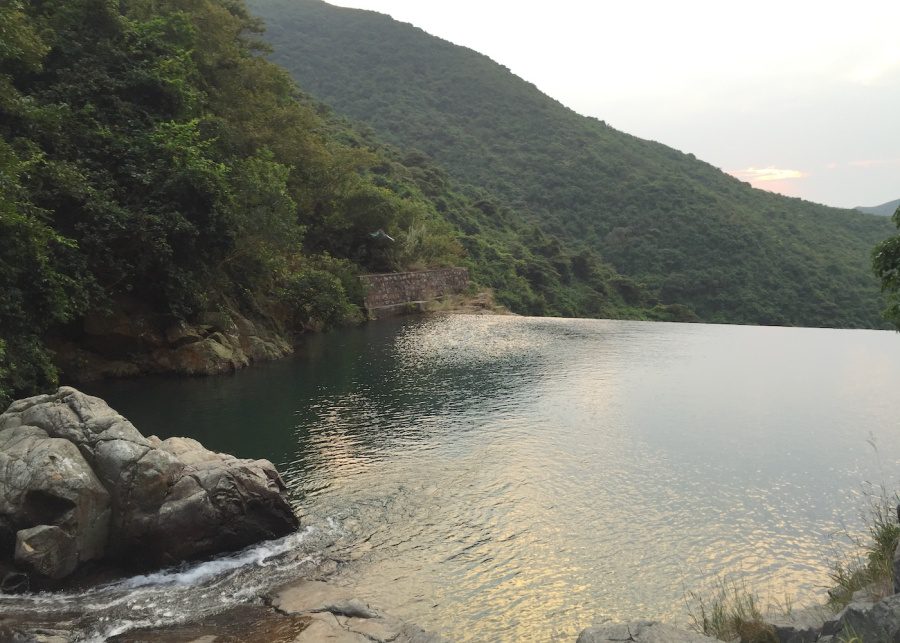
796	96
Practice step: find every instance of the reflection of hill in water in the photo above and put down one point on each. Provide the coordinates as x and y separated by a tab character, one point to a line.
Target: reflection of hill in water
517	477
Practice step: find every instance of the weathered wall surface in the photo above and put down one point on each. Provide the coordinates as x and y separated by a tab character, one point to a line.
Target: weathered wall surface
397	289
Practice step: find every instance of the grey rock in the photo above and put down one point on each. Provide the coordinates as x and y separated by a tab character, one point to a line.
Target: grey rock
47	550
337	615
800	626
353	608
46	481
78	482
640	632
868	621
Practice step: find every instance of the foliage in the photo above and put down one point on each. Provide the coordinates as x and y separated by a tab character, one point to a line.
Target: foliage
315	297
886	264
682	230
148	152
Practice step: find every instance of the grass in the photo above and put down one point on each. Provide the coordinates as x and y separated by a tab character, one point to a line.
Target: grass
737	613
734	612
872	567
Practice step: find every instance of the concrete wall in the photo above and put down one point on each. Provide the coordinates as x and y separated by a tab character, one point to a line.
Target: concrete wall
398	290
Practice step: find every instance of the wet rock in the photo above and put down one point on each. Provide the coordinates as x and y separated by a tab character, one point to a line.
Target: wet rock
14	583
640	632
336	615
79	482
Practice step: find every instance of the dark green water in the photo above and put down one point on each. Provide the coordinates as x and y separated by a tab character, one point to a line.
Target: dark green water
505	478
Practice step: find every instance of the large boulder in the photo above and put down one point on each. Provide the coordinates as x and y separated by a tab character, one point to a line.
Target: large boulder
866	621
78	482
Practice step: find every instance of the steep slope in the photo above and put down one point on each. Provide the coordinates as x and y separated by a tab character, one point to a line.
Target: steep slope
155	170
883	210
692	234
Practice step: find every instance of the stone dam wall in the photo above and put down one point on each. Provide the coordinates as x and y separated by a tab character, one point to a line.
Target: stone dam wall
397	292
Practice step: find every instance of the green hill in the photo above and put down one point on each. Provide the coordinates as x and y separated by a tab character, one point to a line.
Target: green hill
686	231
883	210
154	165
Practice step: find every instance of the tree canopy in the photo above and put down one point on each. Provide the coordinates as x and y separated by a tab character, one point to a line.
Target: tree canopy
689	233
150	152
886	263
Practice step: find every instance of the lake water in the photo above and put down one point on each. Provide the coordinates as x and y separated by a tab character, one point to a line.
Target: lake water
509	478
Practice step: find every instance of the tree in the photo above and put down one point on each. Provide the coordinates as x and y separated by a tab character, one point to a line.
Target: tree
886	264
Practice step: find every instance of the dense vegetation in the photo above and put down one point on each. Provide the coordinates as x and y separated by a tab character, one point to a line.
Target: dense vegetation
886	263
149	153
690	233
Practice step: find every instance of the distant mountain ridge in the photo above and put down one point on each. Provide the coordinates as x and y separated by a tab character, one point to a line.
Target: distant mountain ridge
883	210
686	231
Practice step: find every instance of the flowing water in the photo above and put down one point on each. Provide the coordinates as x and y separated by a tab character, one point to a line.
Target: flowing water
508	478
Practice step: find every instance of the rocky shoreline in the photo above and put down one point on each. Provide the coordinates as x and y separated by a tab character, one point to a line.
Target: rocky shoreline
305	611
132	341
84	495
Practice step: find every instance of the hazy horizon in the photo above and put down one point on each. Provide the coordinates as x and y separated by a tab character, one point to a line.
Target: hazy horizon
800	99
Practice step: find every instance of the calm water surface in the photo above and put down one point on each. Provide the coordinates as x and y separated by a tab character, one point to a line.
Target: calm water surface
508	478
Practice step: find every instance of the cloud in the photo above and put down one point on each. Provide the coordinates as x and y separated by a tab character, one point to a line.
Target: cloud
756	175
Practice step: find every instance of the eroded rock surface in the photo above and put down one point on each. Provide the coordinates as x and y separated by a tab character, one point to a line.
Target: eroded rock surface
132	340
78	482
640	632
335	614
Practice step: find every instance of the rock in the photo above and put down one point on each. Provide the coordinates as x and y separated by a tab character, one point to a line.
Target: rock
46	481
640	632
78	482
121	331
220	322
212	355
14	583
800	626
867	621
180	334
47	550
132	340
338	616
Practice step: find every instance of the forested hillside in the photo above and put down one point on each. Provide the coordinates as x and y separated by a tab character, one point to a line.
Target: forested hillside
690	233
150	154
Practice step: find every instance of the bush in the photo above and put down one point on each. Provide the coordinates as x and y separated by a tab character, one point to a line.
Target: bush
316	299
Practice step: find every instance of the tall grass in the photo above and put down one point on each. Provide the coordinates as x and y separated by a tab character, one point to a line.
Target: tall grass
872	566
733	612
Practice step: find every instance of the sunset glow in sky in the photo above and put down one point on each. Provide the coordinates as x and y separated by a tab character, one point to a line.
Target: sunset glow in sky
799	97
